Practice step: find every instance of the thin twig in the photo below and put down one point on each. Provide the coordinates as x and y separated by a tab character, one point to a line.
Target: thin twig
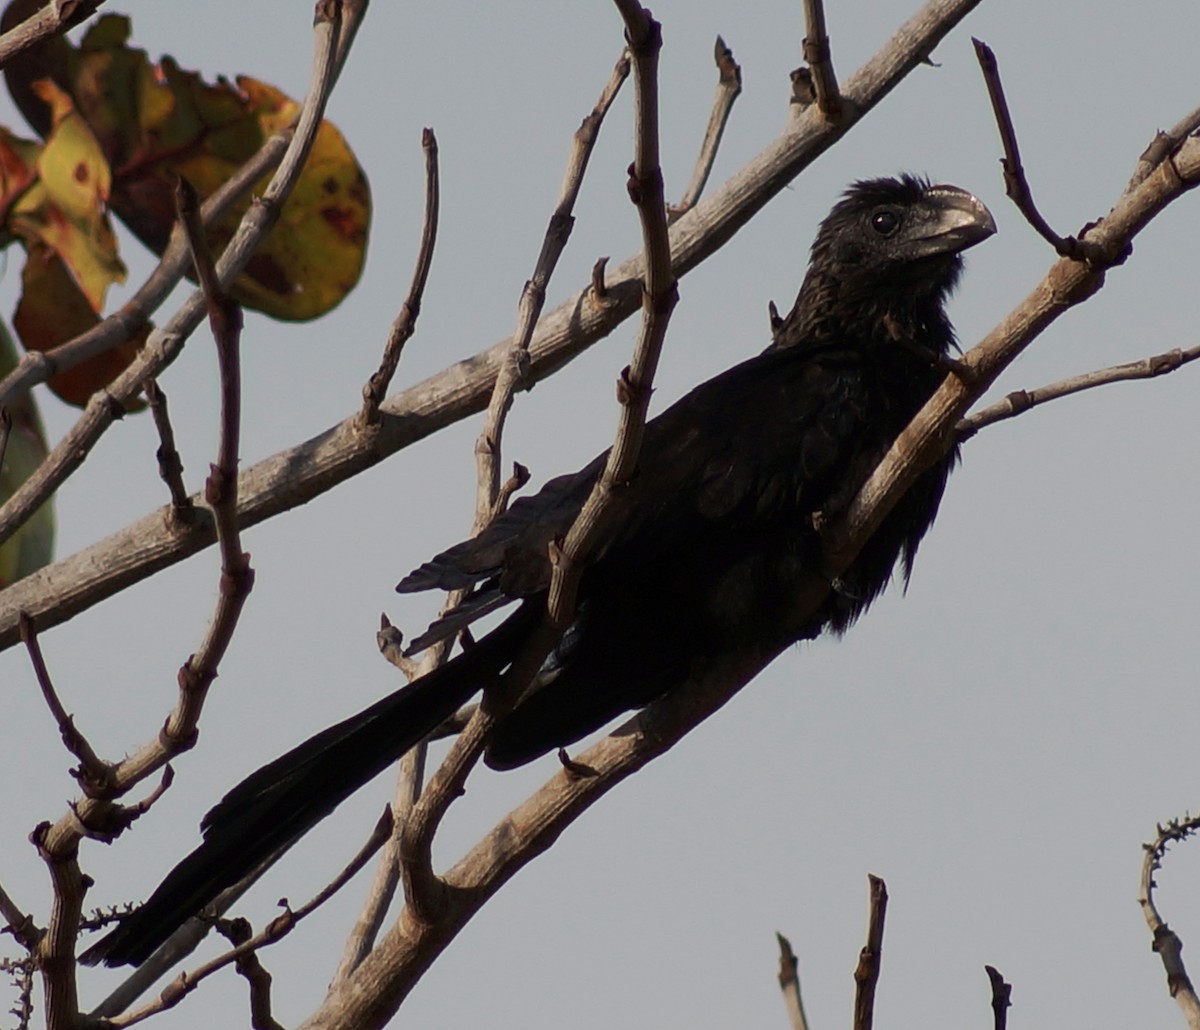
53	19
170	464
789	983
405	323
220	490
223	491
1164	940
297	474
379	837
866	976
93	774
19	923
165	343
178	946
515	482
140	808
514	371
820	61
391	645
659	295
1001	997
1020	401
383	887
275	930
1015	183
251	969
21	971
729	88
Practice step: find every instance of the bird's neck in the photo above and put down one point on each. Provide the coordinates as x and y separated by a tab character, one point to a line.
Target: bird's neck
830	311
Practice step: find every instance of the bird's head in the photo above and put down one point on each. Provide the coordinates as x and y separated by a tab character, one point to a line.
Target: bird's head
889	248
901	234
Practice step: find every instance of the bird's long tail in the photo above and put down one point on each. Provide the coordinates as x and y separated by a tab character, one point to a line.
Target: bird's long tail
275	806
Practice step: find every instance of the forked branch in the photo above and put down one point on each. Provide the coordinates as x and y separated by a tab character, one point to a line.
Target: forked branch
1165	941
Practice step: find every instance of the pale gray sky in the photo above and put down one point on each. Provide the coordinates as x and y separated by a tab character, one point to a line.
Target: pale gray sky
996	744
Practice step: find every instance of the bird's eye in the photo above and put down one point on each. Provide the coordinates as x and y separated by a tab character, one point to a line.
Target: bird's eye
885	222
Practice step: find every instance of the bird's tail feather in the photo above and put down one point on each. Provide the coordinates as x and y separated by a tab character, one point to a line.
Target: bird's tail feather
275	806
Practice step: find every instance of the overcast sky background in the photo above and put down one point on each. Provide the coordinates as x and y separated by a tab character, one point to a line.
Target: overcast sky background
997	743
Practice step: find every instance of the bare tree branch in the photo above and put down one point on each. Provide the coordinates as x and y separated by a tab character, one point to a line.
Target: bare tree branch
56	947
423	889
97	815
1001	997
866	976
406	321
382	892
789	983
1020	401
820	61
220	489
53	19
19	923
93	774
275	930
251	969
170	464
1015	183
514	371
425	892
659	296
300	473
1164	940
729	88
413	844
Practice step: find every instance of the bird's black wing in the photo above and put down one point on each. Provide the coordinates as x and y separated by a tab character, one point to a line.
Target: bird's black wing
701	458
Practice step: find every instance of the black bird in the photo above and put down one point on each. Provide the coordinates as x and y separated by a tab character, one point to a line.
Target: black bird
711	539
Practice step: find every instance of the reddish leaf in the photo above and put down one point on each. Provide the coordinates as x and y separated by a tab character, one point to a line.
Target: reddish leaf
52	310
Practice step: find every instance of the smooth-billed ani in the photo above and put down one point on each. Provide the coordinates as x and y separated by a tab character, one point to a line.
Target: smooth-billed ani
710	540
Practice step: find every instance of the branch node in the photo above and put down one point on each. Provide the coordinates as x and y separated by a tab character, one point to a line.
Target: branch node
599	292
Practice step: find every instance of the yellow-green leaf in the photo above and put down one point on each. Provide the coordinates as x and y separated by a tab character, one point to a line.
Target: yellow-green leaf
66	209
